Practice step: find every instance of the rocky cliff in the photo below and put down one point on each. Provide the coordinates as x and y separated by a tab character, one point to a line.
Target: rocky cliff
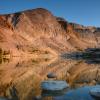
39	31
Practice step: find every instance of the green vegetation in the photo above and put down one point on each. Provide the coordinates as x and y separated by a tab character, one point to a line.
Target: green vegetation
91	53
87	55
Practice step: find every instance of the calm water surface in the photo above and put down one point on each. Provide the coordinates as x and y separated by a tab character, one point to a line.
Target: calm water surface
20	79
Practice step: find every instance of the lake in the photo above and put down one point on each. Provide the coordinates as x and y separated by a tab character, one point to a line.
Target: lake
20	78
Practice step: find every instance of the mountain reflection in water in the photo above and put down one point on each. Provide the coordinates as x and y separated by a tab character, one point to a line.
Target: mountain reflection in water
90	55
20	79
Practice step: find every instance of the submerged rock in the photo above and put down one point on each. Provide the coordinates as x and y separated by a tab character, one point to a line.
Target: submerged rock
2	98
81	93
51	75
46	93
37	98
54	85
95	92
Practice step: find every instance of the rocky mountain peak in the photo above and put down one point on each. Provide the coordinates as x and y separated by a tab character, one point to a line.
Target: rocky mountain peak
39	28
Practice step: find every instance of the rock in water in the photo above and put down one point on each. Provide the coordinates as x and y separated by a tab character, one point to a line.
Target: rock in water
37	98
51	75
52	85
95	92
2	98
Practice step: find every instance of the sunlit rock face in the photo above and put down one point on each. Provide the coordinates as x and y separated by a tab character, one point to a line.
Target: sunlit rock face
31	29
38	28
37	37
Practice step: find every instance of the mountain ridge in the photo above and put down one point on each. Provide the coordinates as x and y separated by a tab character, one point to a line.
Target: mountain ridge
39	29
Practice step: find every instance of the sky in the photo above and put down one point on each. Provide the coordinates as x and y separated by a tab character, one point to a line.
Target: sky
85	12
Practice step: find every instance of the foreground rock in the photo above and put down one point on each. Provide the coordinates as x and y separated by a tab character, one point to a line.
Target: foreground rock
2	98
51	75
95	92
54	85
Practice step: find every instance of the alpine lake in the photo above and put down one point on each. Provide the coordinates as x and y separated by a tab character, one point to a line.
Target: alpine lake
20	78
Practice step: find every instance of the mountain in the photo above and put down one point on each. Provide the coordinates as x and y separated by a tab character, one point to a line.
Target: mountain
39	31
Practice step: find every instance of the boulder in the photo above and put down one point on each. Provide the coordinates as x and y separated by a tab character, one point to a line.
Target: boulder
37	98
51	75
2	98
52	85
95	92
